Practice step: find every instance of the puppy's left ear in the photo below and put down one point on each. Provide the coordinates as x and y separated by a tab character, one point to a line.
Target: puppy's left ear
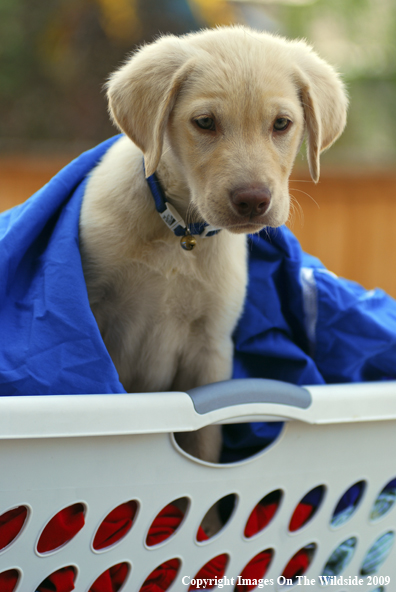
324	101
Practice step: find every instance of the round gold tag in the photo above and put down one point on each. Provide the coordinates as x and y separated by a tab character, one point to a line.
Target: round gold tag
188	242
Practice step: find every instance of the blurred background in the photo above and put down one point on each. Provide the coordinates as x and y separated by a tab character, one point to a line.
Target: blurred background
55	57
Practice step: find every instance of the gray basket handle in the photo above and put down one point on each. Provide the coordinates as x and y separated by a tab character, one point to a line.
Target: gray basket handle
250	390
234	401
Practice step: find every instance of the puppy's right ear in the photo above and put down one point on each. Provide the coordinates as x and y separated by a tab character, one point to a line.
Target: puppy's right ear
142	94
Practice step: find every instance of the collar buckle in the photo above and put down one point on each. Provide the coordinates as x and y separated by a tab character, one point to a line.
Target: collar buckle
171	217
208	230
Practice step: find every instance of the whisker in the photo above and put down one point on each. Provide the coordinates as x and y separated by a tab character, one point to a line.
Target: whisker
300	181
305	193
295	209
267	233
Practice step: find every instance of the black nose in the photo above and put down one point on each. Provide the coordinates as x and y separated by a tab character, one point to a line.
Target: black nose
251	200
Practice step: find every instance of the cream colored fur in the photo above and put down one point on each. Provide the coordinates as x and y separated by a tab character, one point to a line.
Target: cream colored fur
167	315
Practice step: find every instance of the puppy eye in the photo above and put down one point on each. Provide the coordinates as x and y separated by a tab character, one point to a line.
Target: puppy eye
205	123
281	124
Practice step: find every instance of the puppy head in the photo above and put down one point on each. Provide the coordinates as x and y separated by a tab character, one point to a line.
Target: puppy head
232	106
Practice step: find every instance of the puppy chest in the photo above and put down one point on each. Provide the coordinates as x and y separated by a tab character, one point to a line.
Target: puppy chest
152	323
165	304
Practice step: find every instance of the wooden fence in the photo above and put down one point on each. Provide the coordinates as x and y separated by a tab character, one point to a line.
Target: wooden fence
349	222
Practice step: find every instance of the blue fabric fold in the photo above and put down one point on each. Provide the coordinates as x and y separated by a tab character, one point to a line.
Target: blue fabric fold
50	342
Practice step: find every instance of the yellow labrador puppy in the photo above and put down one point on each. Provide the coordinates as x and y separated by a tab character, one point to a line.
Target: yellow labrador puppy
219	117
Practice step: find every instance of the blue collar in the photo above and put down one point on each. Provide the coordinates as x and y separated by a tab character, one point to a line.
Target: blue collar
172	218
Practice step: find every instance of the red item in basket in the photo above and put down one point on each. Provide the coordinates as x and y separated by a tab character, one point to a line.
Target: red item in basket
111	580
260	518
301	515
59	581
164	525
162	577
65	525
11	524
61	528
254	570
297	565
8	580
215	568
115	526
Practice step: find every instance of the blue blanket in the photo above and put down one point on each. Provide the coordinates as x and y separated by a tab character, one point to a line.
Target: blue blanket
300	324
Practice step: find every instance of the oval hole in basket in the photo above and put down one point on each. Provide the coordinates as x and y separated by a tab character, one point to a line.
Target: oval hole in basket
298	564
162	577
384	502
243	440
340	558
112	579
11	525
62	528
167	521
9	580
263	513
61	579
306	508
216	517
115	526
377	554
347	504
255	570
214	568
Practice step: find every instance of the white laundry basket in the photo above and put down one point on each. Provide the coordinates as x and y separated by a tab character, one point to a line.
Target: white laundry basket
104	450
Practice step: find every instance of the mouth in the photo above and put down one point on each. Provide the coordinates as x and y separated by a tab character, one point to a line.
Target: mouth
238	224
245	228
